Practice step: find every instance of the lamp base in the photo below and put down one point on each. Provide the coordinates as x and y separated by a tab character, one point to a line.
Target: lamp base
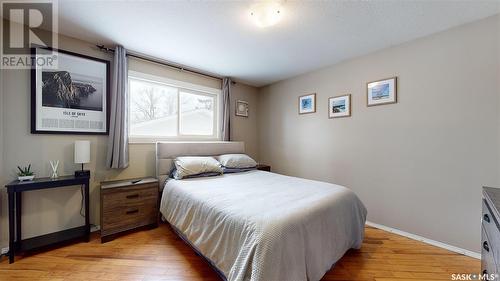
82	174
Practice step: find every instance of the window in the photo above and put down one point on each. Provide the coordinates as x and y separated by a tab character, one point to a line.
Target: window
164	109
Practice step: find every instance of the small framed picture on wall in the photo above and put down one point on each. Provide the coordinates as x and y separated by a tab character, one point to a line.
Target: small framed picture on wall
381	92
241	108
307	104
339	106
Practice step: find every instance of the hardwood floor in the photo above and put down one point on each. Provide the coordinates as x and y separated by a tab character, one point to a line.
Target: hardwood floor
159	254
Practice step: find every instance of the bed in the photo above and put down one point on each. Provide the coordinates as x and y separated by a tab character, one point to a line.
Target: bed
259	225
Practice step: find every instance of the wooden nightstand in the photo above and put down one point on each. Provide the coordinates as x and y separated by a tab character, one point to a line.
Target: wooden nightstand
127	205
264	167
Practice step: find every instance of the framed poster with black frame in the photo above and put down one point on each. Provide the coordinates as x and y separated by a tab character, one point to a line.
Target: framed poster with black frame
72	98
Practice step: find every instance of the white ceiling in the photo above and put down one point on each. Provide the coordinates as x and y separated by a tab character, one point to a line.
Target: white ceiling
219	37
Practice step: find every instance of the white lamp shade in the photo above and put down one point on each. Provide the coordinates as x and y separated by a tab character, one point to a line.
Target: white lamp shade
82	151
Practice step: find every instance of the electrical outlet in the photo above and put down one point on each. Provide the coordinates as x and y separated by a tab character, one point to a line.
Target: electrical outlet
4	251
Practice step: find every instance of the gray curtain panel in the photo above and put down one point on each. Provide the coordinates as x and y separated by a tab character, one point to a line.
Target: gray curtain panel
118	124
226	112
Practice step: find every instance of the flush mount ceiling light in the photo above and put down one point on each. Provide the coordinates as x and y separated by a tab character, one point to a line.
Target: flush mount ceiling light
265	14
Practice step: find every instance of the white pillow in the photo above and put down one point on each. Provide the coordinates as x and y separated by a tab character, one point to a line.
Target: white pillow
194	165
236	161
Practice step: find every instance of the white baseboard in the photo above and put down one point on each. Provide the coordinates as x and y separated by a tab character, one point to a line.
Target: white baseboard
426	240
4	251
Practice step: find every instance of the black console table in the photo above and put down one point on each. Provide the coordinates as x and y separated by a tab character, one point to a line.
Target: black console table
15	190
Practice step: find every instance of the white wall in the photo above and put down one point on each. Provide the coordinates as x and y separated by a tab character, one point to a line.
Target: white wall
52	210
418	165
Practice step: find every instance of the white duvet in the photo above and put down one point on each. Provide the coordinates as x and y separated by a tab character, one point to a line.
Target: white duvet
264	226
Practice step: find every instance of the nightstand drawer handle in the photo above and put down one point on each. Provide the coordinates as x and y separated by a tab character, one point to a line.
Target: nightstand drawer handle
485	246
132	212
486	218
133	196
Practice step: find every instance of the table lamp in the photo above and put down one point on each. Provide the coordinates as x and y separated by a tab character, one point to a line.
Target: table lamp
82	156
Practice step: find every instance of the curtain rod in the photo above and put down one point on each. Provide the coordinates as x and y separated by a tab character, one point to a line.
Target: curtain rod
159	61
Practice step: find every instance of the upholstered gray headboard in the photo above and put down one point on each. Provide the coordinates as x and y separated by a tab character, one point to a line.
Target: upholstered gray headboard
167	151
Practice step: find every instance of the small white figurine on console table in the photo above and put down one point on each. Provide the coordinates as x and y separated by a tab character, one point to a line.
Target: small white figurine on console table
54	164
